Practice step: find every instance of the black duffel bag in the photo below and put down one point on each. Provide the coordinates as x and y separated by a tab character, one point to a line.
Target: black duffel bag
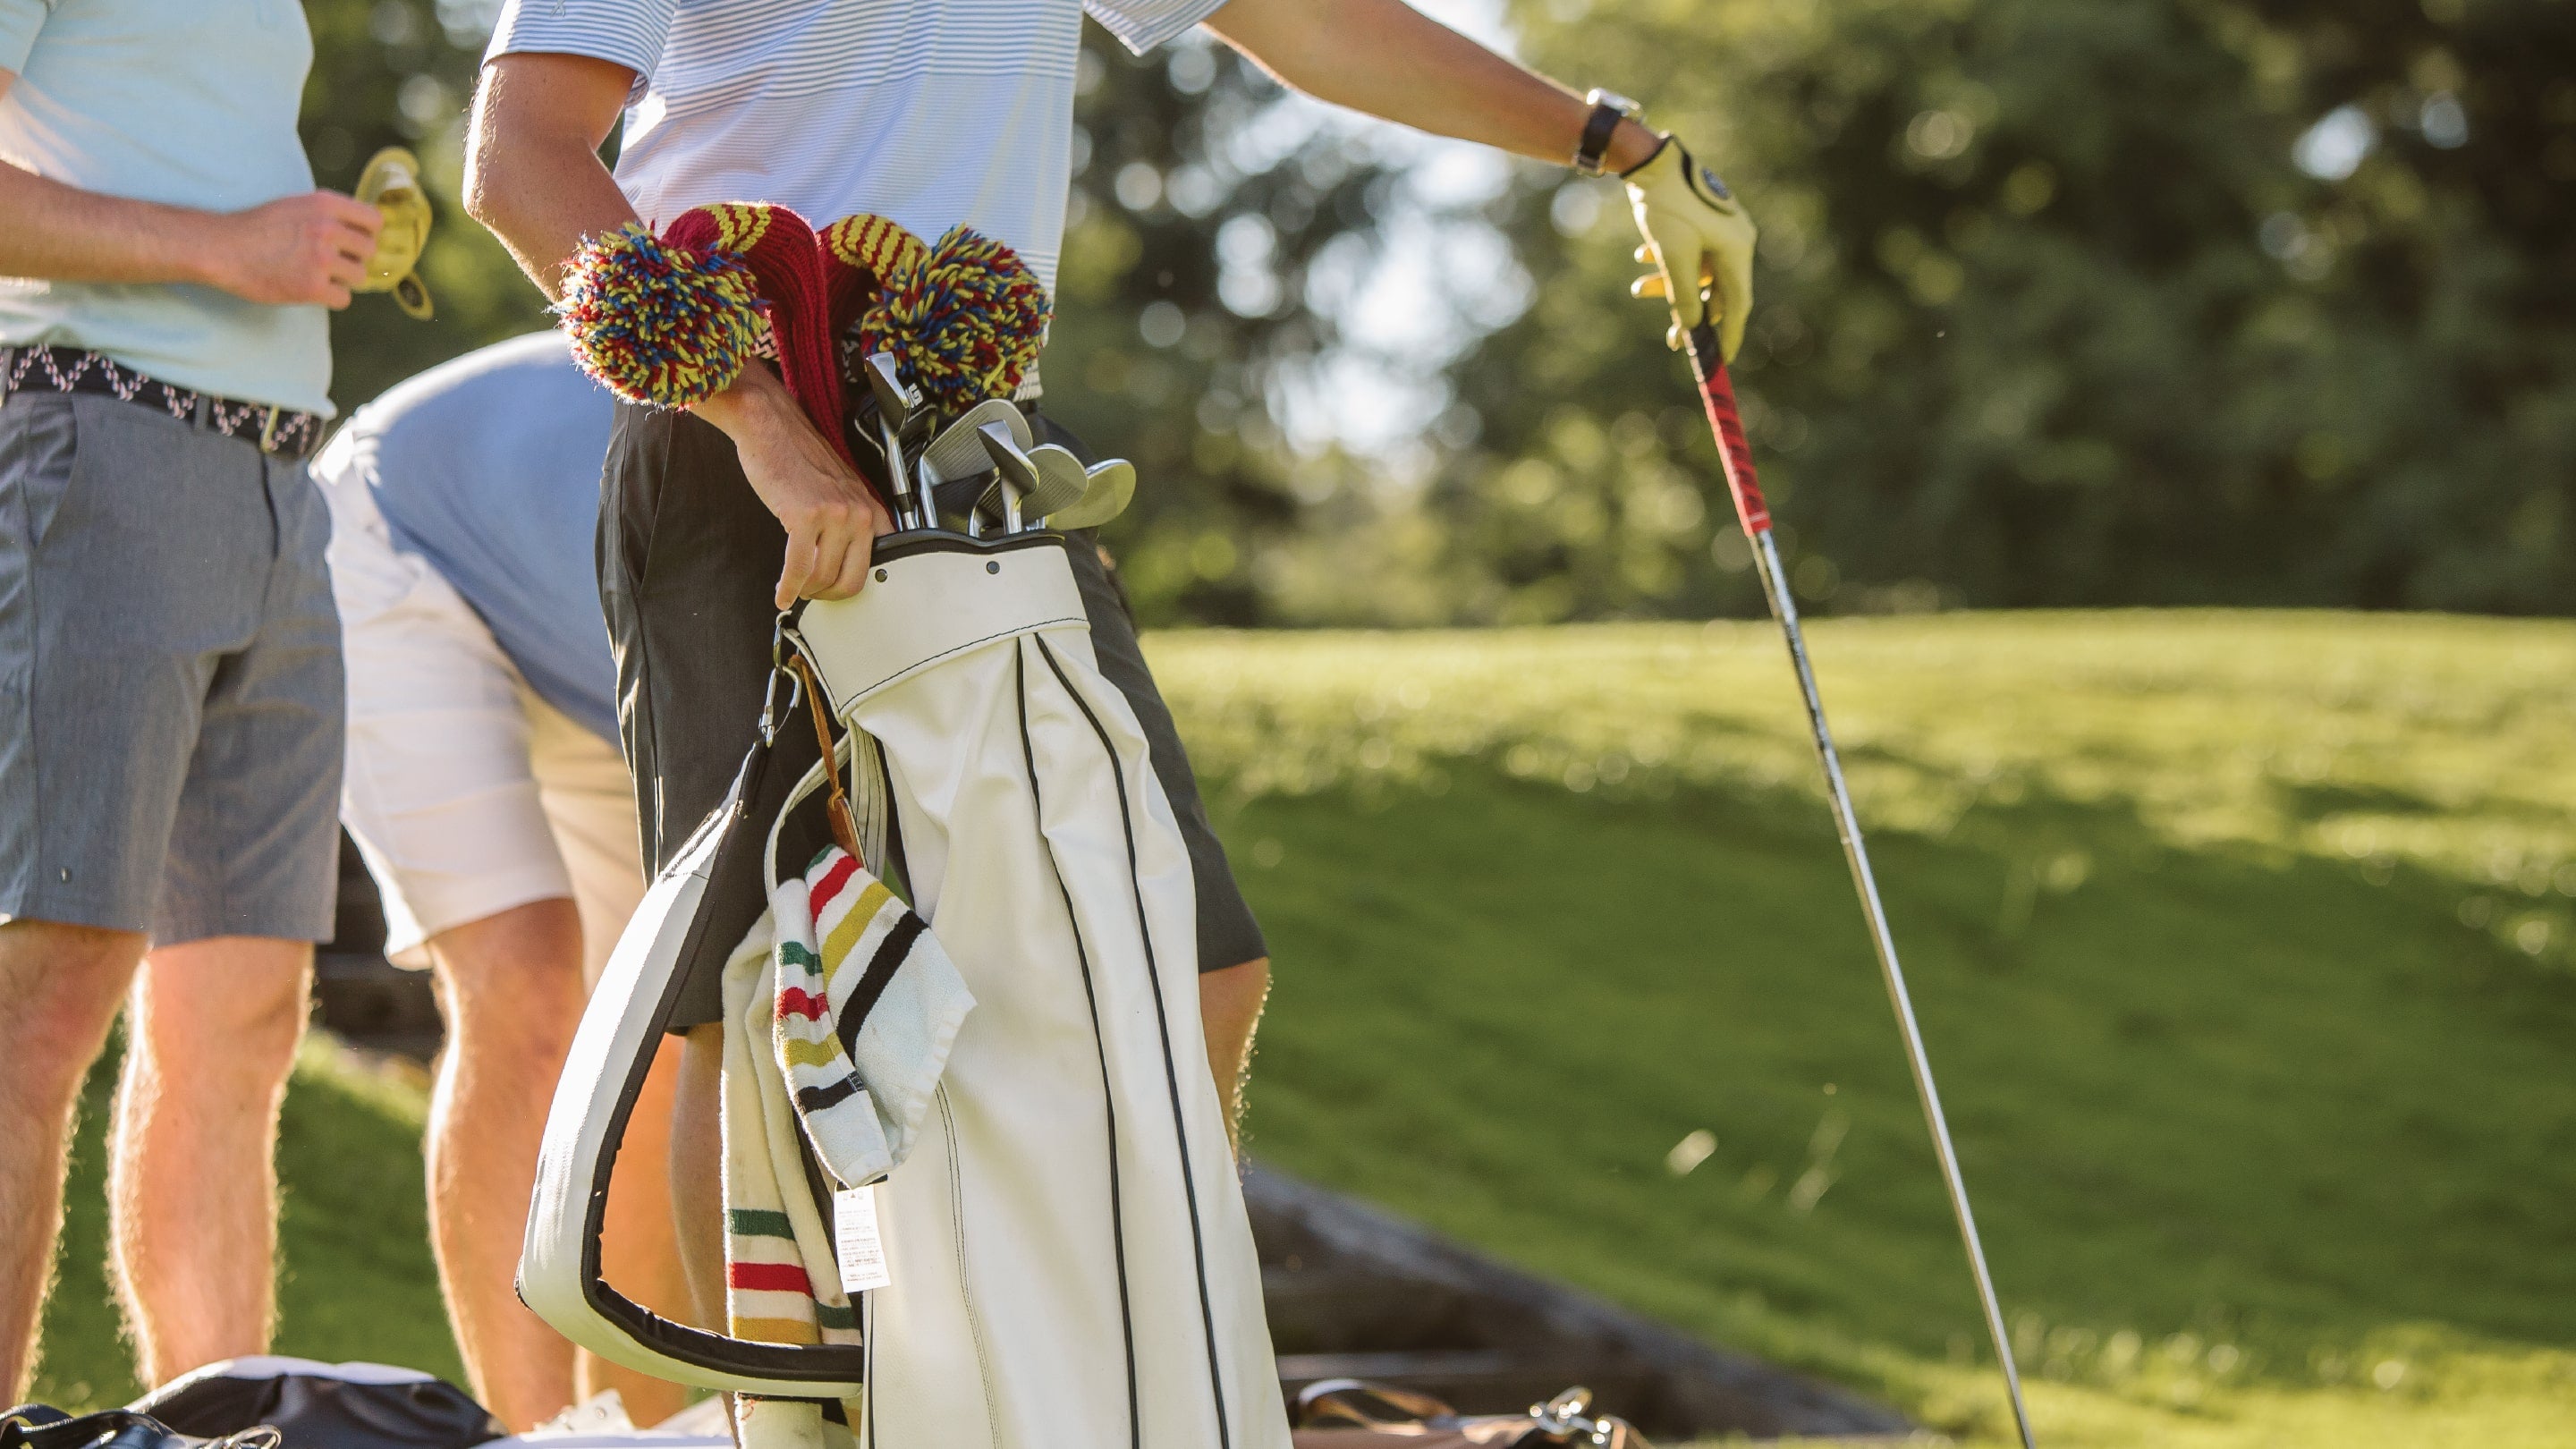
271	1403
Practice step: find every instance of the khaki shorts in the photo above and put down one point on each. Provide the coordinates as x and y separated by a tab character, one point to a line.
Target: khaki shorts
466	793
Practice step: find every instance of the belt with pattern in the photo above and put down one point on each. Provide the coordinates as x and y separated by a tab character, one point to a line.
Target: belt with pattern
282	432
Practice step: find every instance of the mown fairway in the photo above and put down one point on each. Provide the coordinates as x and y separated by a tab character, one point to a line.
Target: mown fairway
2244	944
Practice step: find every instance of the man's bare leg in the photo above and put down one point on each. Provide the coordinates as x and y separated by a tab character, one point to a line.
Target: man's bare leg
192	1170
1230	1002
59	989
636	1248
697	1171
509	986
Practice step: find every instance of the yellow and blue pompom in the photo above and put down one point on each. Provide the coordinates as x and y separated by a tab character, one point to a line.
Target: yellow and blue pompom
658	324
965	320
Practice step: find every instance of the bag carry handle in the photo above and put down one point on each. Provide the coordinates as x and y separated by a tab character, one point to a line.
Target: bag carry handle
1364	1405
1566	1419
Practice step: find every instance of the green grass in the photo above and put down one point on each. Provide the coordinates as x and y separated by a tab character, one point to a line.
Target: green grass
358	1282
2243	943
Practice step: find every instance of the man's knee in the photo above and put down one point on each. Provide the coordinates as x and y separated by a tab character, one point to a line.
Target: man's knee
60	986
514	975
231	1008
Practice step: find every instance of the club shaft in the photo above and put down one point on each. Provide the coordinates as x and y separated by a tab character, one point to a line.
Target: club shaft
1732	448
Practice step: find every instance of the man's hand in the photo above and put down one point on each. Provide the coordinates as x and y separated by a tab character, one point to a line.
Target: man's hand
1698	238
831	517
297	250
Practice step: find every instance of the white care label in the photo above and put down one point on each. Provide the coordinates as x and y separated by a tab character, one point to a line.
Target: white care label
854	1234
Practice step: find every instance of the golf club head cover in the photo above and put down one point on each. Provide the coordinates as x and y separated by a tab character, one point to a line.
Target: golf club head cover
859	254
963	318
391	184
673	320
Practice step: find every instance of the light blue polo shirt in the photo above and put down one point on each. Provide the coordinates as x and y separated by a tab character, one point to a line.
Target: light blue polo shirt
488	468
186	102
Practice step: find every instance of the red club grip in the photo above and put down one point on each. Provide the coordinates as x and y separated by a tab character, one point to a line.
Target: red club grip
1718	393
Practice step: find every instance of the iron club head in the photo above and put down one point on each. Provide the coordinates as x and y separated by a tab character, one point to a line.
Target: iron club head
1107	489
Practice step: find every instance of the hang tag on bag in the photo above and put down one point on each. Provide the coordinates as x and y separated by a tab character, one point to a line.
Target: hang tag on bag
856	1240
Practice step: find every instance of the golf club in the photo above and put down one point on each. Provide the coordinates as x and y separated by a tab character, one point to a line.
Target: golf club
1107	488
1717	392
958	454
1061	480
895	407
958	451
1019	476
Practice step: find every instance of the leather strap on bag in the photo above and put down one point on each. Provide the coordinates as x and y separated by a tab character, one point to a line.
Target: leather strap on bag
845	826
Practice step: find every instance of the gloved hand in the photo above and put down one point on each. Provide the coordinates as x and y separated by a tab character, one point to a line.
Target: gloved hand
1697	236
391	184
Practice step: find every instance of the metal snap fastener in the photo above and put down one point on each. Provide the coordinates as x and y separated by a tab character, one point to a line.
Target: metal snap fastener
881	576
992	566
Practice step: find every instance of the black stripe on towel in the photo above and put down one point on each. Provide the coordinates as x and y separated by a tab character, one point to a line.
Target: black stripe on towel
881	968
810	1100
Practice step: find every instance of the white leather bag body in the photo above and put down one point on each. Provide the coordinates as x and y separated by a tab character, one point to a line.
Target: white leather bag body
1072	1264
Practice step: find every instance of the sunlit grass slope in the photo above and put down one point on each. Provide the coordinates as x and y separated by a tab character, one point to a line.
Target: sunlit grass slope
2241	941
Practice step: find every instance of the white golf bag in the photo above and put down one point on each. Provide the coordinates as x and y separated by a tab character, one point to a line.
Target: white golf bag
1071	1264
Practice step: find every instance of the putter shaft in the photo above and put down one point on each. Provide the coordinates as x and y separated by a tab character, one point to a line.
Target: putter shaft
1718	392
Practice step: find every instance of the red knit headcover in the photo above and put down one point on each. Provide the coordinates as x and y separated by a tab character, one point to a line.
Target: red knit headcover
776	246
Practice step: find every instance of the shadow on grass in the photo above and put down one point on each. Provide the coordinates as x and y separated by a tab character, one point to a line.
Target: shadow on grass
2256	1107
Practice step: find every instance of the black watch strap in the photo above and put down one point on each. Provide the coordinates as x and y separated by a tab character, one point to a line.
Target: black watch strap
1597	131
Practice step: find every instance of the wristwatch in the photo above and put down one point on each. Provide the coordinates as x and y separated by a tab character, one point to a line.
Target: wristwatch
1609	108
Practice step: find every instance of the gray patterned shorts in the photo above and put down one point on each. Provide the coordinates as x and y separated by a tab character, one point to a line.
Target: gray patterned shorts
170	688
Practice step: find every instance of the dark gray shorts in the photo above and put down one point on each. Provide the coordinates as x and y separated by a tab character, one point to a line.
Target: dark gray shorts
687	561
170	689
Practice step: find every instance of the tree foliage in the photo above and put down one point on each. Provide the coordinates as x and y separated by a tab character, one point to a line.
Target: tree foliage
2176	301
2051	312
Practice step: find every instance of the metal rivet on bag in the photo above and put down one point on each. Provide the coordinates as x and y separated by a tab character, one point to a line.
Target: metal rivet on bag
992	566
881	576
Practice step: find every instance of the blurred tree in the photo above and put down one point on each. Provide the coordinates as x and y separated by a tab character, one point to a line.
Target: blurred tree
1204	198
2179	301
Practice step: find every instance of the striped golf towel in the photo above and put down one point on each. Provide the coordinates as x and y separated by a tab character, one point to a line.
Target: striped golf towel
782	1283
868	1006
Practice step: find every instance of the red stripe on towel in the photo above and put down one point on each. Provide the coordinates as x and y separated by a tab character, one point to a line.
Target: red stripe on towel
832	883
771	1277
797	1001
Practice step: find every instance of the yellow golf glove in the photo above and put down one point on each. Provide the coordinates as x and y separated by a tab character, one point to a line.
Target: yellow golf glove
1697	238
391	184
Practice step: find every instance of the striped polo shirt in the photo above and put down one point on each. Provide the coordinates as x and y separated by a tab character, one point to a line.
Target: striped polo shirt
931	112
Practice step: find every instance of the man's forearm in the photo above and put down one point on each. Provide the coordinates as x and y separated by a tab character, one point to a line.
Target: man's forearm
64	234
1387	59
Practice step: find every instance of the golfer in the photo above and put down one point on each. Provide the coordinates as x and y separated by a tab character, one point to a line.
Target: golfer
931	115
170	691
485	790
